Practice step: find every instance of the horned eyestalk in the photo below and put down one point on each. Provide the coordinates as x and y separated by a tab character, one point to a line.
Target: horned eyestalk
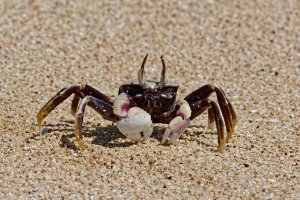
163	78
141	75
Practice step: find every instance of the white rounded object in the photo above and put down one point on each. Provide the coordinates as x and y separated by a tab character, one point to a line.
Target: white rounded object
137	125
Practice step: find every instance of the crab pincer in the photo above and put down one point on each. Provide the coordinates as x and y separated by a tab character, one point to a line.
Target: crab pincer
135	123
178	125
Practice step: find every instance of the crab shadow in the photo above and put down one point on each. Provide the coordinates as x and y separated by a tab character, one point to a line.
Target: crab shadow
107	136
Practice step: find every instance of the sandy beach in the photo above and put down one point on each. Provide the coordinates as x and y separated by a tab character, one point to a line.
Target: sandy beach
250	49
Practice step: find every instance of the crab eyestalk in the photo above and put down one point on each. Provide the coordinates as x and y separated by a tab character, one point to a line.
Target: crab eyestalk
163	78
141	75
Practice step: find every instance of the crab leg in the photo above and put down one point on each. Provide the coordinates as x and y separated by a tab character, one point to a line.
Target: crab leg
232	111
101	107
211	118
219	124
79	90
228	112
74	104
229	108
214	114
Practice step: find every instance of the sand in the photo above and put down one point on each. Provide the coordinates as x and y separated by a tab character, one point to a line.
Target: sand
250	49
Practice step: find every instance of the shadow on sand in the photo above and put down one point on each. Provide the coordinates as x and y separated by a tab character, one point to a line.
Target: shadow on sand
105	136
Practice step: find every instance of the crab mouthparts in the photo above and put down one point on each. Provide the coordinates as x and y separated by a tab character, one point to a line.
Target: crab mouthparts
150	106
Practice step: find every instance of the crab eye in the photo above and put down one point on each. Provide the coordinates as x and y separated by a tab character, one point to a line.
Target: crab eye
138	95
166	95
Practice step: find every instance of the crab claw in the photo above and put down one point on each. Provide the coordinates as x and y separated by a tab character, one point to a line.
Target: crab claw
175	130
135	123
178	125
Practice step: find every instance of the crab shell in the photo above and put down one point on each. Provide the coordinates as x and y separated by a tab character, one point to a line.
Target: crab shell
136	123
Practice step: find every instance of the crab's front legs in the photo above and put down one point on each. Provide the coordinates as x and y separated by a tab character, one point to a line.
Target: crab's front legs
178	125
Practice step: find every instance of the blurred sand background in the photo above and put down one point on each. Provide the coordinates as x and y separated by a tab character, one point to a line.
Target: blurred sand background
251	49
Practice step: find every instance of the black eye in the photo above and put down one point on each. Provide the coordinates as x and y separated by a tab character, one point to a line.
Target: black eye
137	96
167	95
142	133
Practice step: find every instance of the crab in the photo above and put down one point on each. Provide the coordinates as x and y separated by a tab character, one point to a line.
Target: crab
142	103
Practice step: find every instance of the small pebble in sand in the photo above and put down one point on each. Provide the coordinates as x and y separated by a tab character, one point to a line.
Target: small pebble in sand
44	130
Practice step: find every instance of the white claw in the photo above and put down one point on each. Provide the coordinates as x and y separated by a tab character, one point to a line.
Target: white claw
137	125
176	127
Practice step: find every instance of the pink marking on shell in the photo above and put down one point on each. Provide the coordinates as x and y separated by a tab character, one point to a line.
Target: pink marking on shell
125	107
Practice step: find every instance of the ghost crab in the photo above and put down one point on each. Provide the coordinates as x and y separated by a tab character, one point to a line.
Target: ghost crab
139	104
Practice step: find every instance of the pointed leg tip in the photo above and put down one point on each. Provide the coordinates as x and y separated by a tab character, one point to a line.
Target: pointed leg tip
39	125
39	121
220	145
73	113
227	139
81	144
220	148
166	135
166	142
163	143
210	126
229	134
